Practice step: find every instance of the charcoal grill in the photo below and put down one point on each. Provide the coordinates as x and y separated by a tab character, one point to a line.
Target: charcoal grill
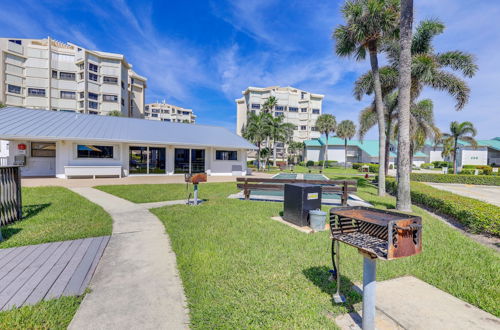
377	234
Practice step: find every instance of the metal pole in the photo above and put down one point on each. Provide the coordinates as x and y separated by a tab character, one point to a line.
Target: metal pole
195	202
369	284
337	297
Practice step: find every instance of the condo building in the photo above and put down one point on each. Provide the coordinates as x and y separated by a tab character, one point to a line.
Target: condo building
168	112
48	74
298	107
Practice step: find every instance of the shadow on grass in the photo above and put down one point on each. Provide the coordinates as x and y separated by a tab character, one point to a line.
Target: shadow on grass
9	232
32	210
319	276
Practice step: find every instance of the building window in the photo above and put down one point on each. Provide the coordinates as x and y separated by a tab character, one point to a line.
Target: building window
255	106
93	105
166	119
80	75
302	95
81	66
93	67
93	113
123	85
43	149
68	95
82	95
94	151
16	41
80	104
110	98
132	81
36	92
293	109
54	74
14	89
278	113
93	96
123	101
316	111
92	76
280	108
303	109
110	80
314	128
185	113
154	115
226	155
66	75
303	128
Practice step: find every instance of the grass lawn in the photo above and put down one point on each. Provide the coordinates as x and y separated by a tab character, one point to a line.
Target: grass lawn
240	269
55	214
168	192
52	314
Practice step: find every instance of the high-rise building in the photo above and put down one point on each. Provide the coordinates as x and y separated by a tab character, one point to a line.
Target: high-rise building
48	74
298	107
168	112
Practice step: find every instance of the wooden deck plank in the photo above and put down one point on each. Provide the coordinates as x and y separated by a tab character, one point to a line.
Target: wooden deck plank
5	252
44	286
57	289
74	284
93	267
24	275
27	289
9	271
12	255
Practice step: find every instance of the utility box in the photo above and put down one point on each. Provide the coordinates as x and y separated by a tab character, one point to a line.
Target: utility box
299	199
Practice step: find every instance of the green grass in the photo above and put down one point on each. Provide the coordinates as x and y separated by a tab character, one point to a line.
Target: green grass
240	269
52	314
167	192
55	214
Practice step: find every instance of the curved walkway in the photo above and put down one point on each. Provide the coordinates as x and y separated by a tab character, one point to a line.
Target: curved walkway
136	284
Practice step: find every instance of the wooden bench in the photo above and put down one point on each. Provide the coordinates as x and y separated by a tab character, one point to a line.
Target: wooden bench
93	170
341	187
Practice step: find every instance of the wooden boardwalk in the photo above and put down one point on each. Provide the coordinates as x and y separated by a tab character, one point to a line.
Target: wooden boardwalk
29	274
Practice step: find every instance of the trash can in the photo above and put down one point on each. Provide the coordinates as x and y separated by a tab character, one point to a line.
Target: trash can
317	219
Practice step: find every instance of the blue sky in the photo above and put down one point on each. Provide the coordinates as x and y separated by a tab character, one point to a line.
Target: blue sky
202	54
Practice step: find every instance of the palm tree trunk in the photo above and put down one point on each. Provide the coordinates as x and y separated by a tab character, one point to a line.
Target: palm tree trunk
379	105
258	156
345	156
388	145
403	197
274	152
455	156
325	157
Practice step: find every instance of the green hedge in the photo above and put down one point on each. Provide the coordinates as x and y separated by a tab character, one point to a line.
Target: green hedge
373	168
439	164
490	180
476	215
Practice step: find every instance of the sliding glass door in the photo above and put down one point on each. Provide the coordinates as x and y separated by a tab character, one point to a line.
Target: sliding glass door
189	160
147	160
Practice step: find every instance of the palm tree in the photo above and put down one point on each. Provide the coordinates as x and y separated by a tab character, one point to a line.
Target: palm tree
403	197
257	131
279	131
326	124
459	131
115	113
269	105
346	130
368	23
295	147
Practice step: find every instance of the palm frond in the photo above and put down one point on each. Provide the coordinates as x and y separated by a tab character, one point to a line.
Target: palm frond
367	120
450	83
426	31
459	61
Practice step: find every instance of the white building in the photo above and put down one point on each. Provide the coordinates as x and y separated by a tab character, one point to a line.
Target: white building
48	74
298	107
168	112
65	144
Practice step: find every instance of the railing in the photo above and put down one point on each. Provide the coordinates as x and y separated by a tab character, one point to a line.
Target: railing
3	161
10	195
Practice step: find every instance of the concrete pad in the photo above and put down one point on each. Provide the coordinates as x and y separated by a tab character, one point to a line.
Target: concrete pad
304	229
136	284
410	303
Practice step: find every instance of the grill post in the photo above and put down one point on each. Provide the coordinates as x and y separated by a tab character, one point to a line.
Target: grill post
195	188
369	284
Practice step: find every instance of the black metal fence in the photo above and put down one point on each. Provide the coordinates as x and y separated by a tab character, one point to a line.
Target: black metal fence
10	195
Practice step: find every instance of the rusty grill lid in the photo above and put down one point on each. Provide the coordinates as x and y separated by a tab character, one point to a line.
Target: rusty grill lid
372	215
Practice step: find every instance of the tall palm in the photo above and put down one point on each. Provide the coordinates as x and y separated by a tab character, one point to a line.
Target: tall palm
270	103
279	131
346	130
368	23
257	131
459	131
295	147
326	124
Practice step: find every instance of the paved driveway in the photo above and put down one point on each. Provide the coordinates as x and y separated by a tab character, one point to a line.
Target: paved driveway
490	194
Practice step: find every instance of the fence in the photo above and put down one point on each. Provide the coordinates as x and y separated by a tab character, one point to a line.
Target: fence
10	195
3	161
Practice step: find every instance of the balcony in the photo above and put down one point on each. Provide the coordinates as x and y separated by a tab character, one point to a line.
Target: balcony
16	48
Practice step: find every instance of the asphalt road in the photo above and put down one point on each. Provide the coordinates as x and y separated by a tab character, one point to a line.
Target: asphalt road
489	194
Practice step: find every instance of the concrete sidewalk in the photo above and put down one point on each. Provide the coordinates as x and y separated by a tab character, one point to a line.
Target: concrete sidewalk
136	284
488	194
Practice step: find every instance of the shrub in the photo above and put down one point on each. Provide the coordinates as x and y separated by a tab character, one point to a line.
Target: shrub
490	180
426	165
440	164
391	166
476	215
357	166
373	168
251	162
302	164
309	163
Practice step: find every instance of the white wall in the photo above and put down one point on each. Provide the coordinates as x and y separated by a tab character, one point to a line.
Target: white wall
473	157
314	153
35	166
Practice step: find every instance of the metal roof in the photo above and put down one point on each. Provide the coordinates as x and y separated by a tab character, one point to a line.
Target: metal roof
368	146
21	123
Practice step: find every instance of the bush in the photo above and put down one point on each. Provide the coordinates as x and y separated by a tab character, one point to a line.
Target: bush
373	168
251	162
309	163
476	215
302	164
426	165
440	164
490	180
